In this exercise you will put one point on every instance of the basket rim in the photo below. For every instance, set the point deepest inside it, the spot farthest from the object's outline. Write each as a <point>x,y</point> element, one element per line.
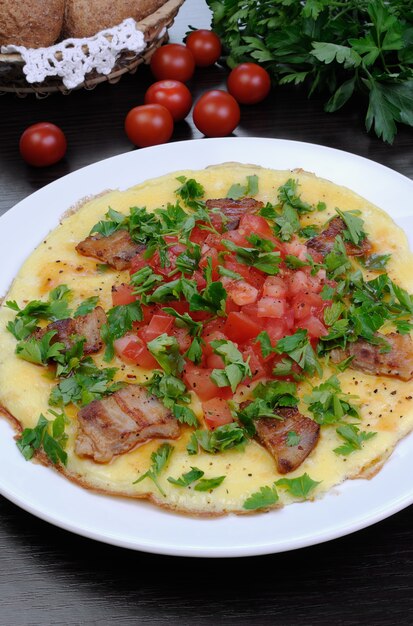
<point>150,26</point>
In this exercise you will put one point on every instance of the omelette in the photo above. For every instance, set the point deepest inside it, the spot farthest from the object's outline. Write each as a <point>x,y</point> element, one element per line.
<point>228,340</point>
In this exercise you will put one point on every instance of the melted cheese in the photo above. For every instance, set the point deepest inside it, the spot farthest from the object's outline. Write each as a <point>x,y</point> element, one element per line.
<point>386,404</point>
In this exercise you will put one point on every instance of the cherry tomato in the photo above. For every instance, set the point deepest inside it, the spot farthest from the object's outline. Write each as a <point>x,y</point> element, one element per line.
<point>249,83</point>
<point>148,125</point>
<point>205,46</point>
<point>42,144</point>
<point>173,61</point>
<point>173,95</point>
<point>216,114</point>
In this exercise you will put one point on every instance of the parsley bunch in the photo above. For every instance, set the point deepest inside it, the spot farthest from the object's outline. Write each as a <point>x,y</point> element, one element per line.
<point>338,48</point>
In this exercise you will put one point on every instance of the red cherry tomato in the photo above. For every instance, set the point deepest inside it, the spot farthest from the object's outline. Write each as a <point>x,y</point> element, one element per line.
<point>42,144</point>
<point>173,61</point>
<point>148,125</point>
<point>173,95</point>
<point>249,83</point>
<point>205,46</point>
<point>216,114</point>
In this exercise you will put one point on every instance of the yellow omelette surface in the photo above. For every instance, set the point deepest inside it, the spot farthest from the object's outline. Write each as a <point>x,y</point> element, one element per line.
<point>386,404</point>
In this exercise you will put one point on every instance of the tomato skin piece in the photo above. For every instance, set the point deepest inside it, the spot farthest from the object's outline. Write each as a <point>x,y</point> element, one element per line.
<point>137,263</point>
<point>198,235</point>
<point>42,144</point>
<point>205,45</point>
<point>173,95</point>
<point>149,125</point>
<point>240,328</point>
<point>216,413</point>
<point>249,83</point>
<point>131,349</point>
<point>122,294</point>
<point>216,113</point>
<point>198,379</point>
<point>314,326</point>
<point>256,224</point>
<point>173,61</point>
<point>183,338</point>
<point>160,323</point>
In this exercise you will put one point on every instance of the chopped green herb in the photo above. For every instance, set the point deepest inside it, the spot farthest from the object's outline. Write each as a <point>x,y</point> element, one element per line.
<point>292,439</point>
<point>353,437</point>
<point>87,306</point>
<point>49,435</point>
<point>374,261</point>
<point>208,484</point>
<point>40,351</point>
<point>188,478</point>
<point>299,487</point>
<point>221,439</point>
<point>160,459</point>
<point>119,321</point>
<point>265,497</point>
<point>235,370</point>
<point>165,349</point>
<point>237,191</point>
<point>329,404</point>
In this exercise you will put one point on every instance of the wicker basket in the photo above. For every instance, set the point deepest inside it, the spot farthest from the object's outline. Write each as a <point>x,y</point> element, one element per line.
<point>154,27</point>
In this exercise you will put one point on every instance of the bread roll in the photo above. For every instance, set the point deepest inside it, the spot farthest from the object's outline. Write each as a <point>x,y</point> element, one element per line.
<point>84,18</point>
<point>32,23</point>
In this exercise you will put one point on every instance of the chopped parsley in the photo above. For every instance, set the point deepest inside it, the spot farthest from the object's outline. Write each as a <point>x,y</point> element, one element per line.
<point>119,321</point>
<point>299,487</point>
<point>354,439</point>
<point>237,191</point>
<point>329,404</point>
<point>265,497</point>
<point>160,459</point>
<point>235,370</point>
<point>222,438</point>
<point>48,435</point>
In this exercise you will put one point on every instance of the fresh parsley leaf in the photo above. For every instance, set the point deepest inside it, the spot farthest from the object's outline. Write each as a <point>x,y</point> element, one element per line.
<point>40,351</point>
<point>209,484</point>
<point>265,497</point>
<point>160,459</point>
<point>144,280</point>
<point>329,404</point>
<point>235,370</point>
<point>88,383</point>
<point>299,349</point>
<point>212,299</point>
<point>188,478</point>
<point>190,192</point>
<point>292,439</point>
<point>374,261</point>
<point>237,191</point>
<point>222,438</point>
<point>87,306</point>
<point>299,487</point>
<point>353,437</point>
<point>354,232</point>
<point>165,349</point>
<point>185,415</point>
<point>49,435</point>
<point>267,262</point>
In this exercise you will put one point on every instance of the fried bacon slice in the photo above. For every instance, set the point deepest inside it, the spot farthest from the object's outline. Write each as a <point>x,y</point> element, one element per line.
<point>119,422</point>
<point>70,329</point>
<point>116,250</point>
<point>324,242</point>
<point>272,434</point>
<point>234,209</point>
<point>397,363</point>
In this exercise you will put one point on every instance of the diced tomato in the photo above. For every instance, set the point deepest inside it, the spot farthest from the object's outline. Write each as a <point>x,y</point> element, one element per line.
<point>297,249</point>
<point>275,287</point>
<point>131,349</point>
<point>210,255</point>
<point>314,326</point>
<point>214,241</point>
<point>213,326</point>
<point>137,263</point>
<point>242,292</point>
<point>236,237</point>
<point>215,362</point>
<point>122,294</point>
<point>253,276</point>
<point>183,338</point>
<point>207,338</point>
<point>271,307</point>
<point>231,306</point>
<point>306,304</point>
<point>255,224</point>
<point>200,279</point>
<point>276,329</point>
<point>180,306</point>
<point>300,282</point>
<point>240,328</point>
<point>198,235</point>
<point>216,413</point>
<point>198,379</point>
<point>159,324</point>
<point>258,368</point>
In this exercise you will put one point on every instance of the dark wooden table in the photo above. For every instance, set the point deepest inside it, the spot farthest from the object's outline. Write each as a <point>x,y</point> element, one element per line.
<point>49,576</point>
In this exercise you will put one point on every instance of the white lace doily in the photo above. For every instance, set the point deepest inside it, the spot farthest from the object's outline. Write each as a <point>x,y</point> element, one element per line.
<point>72,59</point>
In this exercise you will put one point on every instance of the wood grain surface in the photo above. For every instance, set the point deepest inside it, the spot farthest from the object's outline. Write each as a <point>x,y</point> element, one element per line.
<point>49,576</point>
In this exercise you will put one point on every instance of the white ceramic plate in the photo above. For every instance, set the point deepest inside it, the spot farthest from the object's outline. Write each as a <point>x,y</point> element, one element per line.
<point>139,525</point>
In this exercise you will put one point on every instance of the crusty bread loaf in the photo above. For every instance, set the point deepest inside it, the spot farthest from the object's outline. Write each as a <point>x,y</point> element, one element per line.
<point>32,23</point>
<point>84,18</point>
